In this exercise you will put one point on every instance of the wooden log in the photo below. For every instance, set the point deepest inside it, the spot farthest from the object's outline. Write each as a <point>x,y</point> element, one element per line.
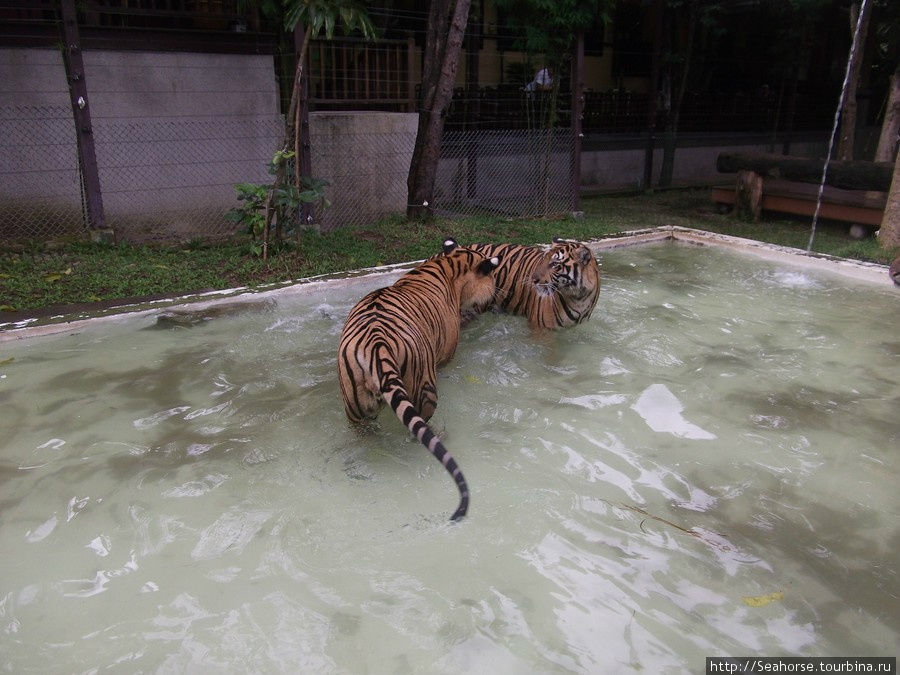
<point>849,175</point>
<point>748,195</point>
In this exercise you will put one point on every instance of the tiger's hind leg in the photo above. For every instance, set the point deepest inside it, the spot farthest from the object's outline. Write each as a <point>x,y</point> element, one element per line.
<point>361,402</point>
<point>427,401</point>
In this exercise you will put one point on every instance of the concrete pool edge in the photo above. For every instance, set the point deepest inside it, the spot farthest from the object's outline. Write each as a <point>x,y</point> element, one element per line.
<point>55,324</point>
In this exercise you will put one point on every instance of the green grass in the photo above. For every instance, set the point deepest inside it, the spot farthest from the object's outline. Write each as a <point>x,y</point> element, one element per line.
<point>38,279</point>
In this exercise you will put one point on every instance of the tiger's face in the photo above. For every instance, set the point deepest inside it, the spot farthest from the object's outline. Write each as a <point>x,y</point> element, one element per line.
<point>568,269</point>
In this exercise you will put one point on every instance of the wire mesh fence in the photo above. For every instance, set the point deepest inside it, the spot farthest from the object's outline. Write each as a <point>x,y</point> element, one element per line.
<point>166,179</point>
<point>40,187</point>
<point>517,173</point>
<point>172,179</point>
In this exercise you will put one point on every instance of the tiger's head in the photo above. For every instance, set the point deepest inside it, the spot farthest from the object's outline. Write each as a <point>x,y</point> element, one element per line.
<point>569,269</point>
<point>472,274</point>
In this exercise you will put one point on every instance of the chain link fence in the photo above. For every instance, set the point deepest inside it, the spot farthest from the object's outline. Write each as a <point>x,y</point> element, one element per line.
<point>514,173</point>
<point>172,179</point>
<point>517,173</point>
<point>40,184</point>
<point>167,179</point>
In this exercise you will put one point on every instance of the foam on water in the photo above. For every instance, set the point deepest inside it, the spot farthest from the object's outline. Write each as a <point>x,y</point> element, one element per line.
<point>722,430</point>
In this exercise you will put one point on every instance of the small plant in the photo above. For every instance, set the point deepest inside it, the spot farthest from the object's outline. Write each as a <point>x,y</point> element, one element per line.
<point>250,213</point>
<point>287,200</point>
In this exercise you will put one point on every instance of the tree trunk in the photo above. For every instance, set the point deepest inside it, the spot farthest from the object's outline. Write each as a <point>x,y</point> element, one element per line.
<point>658,12</point>
<point>890,127</point>
<point>289,122</point>
<point>889,234</point>
<point>446,26</point>
<point>859,27</point>
<point>748,196</point>
<point>855,175</point>
<point>671,138</point>
<point>791,112</point>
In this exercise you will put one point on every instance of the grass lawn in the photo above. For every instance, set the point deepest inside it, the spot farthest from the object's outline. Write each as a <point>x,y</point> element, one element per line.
<point>43,278</point>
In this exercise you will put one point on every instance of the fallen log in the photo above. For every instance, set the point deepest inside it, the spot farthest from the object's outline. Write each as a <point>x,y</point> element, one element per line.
<point>848,175</point>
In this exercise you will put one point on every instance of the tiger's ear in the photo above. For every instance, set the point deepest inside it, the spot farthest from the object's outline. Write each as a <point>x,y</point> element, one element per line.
<point>584,255</point>
<point>488,265</point>
<point>557,240</point>
<point>449,245</point>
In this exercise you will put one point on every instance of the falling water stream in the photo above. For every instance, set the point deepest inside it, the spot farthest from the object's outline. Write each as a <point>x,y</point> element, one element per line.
<point>852,56</point>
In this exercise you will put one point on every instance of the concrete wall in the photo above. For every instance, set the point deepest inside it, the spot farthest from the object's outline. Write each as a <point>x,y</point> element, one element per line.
<point>173,133</point>
<point>365,156</point>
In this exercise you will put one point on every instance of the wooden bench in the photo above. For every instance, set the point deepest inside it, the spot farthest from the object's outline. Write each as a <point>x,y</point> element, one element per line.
<point>855,191</point>
<point>852,206</point>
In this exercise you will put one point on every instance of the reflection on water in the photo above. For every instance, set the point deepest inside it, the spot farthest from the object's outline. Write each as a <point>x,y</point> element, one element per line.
<point>706,468</point>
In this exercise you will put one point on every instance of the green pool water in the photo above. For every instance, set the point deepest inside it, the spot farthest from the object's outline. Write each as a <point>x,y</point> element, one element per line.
<point>708,467</point>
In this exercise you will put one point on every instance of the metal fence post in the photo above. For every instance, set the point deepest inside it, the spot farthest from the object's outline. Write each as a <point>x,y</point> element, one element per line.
<point>87,157</point>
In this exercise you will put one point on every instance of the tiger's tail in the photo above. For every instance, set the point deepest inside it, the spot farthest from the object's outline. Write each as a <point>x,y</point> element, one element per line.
<point>396,396</point>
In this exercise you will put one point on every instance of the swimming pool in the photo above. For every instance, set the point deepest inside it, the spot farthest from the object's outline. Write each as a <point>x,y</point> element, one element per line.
<point>707,467</point>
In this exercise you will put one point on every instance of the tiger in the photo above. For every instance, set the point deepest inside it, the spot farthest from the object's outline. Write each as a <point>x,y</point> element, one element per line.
<point>395,337</point>
<point>553,288</point>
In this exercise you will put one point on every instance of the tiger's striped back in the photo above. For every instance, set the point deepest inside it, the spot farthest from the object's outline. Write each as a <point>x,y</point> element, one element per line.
<point>553,288</point>
<point>395,338</point>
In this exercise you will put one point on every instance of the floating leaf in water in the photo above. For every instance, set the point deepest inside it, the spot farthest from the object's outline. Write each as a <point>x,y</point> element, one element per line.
<point>7,308</point>
<point>6,361</point>
<point>471,379</point>
<point>762,600</point>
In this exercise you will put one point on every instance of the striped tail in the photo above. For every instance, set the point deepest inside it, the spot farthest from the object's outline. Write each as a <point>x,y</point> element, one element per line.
<point>395,394</point>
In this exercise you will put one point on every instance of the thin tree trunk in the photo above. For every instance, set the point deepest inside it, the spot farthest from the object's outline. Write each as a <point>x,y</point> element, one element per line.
<point>890,127</point>
<point>671,140</point>
<point>791,111</point>
<point>889,234</point>
<point>286,146</point>
<point>446,26</point>
<point>297,171</point>
<point>658,12</point>
<point>859,27</point>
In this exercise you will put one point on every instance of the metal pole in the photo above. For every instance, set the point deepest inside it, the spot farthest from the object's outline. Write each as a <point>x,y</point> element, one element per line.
<point>577,117</point>
<point>81,112</point>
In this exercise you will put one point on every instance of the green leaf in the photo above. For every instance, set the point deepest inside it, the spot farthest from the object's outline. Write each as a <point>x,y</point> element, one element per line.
<point>50,278</point>
<point>7,308</point>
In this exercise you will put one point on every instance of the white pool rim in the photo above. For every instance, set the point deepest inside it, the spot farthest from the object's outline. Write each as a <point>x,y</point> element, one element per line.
<point>49,325</point>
